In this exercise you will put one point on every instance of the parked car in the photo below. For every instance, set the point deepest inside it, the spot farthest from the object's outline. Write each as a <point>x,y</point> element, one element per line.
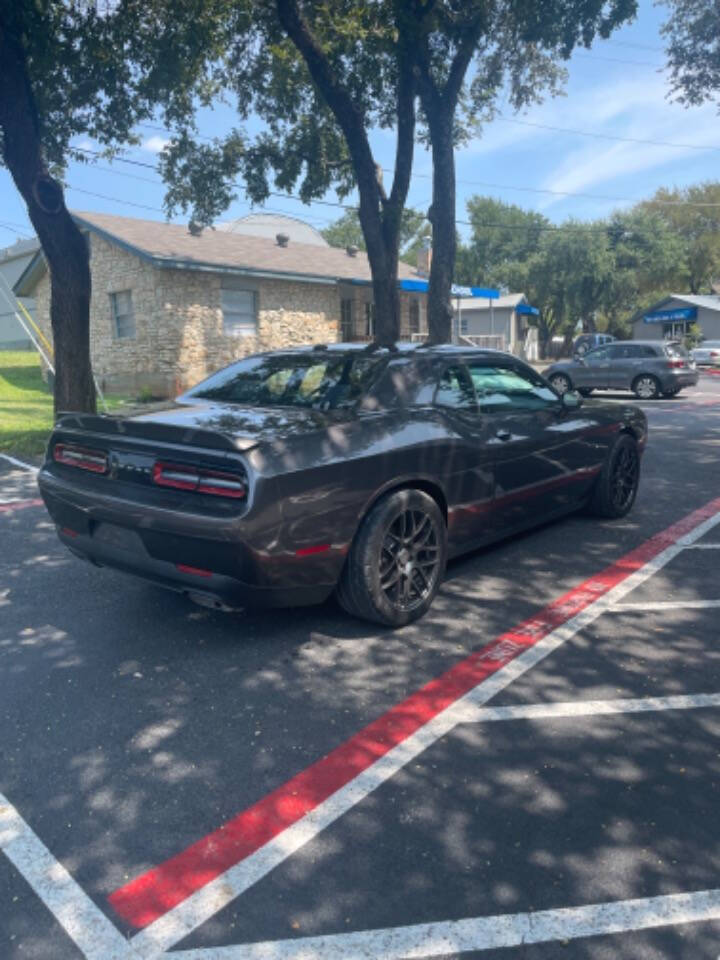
<point>707,354</point>
<point>588,341</point>
<point>288,476</point>
<point>650,369</point>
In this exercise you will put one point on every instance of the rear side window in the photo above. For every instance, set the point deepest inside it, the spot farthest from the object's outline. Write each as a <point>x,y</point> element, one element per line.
<point>455,389</point>
<point>648,351</point>
<point>675,350</point>
<point>508,388</point>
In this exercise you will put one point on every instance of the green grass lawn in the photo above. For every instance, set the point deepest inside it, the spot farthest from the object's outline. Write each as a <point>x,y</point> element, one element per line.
<point>26,406</point>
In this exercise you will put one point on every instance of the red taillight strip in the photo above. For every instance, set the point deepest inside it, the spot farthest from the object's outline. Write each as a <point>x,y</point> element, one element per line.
<point>81,457</point>
<point>198,480</point>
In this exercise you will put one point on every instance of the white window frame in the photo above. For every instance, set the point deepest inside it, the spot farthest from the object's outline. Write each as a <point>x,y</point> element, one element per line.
<point>245,321</point>
<point>124,327</point>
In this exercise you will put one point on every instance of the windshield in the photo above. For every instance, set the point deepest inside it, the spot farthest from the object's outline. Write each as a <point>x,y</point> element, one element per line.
<point>321,381</point>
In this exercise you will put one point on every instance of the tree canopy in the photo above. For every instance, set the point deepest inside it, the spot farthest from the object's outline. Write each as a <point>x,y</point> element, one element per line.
<point>693,49</point>
<point>596,274</point>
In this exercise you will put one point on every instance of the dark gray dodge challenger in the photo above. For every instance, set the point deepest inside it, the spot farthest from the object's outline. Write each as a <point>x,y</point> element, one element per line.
<point>290,475</point>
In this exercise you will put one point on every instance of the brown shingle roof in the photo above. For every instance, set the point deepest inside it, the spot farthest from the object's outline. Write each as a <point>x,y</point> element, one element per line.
<point>171,244</point>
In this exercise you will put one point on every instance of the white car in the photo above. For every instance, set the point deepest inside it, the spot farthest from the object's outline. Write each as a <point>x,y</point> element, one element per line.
<point>707,354</point>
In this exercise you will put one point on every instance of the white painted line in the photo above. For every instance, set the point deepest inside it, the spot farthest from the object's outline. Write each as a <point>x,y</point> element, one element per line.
<point>86,924</point>
<point>481,933</point>
<point>19,463</point>
<point>665,605</point>
<point>200,906</point>
<point>705,546</point>
<point>595,708</point>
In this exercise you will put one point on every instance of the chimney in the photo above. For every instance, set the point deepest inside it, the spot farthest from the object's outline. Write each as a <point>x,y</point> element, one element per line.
<point>195,228</point>
<point>424,256</point>
<point>351,250</point>
<point>282,239</point>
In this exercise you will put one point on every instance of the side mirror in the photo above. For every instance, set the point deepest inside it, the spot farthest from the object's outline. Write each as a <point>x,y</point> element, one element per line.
<point>571,400</point>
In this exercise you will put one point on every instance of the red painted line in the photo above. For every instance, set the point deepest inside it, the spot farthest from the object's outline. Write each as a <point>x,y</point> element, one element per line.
<point>151,895</point>
<point>19,505</point>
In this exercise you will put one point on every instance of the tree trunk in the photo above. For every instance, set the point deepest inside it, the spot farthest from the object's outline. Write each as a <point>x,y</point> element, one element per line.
<point>442,218</point>
<point>380,215</point>
<point>62,243</point>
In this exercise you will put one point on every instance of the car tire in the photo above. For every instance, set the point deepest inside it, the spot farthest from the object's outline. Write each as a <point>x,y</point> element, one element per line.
<point>646,387</point>
<point>397,560</point>
<point>560,383</point>
<point>585,391</point>
<point>617,485</point>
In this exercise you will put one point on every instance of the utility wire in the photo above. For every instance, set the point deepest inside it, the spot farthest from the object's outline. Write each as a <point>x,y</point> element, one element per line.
<point>608,136</point>
<point>467,183</point>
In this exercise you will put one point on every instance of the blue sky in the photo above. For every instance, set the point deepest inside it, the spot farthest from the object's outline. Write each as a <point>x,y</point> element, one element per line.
<point>617,89</point>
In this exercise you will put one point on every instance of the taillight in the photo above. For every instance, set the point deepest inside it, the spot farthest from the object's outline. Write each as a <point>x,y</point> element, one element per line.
<point>674,364</point>
<point>199,480</point>
<point>84,458</point>
<point>715,353</point>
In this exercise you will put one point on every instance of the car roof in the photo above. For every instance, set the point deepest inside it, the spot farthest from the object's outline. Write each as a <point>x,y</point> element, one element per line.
<point>421,349</point>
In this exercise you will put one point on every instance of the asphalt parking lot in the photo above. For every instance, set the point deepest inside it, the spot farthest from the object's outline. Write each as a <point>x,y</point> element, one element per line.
<point>530,772</point>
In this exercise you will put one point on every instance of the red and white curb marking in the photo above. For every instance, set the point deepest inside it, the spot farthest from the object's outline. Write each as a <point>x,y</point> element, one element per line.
<point>177,897</point>
<point>13,504</point>
<point>10,506</point>
<point>180,895</point>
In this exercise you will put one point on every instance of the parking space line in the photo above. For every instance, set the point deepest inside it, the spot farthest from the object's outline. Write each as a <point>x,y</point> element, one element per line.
<point>594,708</point>
<point>180,895</point>
<point>481,933</point>
<point>704,546</point>
<point>664,605</point>
<point>96,937</point>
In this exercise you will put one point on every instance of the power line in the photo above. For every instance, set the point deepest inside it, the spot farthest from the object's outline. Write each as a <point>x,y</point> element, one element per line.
<point>608,136</point>
<point>634,63</point>
<point>472,183</point>
<point>104,196</point>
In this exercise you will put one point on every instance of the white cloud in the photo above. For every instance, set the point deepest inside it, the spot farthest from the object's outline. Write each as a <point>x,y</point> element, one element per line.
<point>155,144</point>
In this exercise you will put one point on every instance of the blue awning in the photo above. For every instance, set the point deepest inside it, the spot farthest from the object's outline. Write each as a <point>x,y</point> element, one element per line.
<point>421,286</point>
<point>526,310</point>
<point>663,316</point>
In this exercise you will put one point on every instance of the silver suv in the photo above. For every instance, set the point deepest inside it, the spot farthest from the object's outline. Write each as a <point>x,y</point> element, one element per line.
<point>649,368</point>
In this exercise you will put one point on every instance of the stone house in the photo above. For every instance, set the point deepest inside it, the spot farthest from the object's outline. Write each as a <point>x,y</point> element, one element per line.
<point>171,304</point>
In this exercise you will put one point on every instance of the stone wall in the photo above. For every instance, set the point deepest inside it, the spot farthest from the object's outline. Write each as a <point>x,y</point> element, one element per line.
<point>179,336</point>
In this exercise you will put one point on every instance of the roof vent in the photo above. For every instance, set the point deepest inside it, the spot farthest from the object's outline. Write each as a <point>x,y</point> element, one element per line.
<point>351,250</point>
<point>195,228</point>
<point>282,239</point>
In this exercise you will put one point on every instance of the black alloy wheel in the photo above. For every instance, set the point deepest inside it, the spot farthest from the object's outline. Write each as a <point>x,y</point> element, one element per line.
<point>560,383</point>
<point>397,560</point>
<point>409,559</point>
<point>617,485</point>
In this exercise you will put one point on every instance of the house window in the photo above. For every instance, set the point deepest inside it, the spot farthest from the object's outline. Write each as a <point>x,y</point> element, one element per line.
<point>346,319</point>
<point>369,319</point>
<point>123,315</point>
<point>463,323</point>
<point>239,310</point>
<point>414,317</point>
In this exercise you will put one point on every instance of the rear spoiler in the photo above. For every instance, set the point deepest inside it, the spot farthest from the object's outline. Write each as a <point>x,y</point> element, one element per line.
<point>158,432</point>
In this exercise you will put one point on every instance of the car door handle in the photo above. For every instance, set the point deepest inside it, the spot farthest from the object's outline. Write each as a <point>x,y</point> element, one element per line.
<point>503,434</point>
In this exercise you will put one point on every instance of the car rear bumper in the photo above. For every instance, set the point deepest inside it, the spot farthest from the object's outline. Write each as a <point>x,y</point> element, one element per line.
<point>207,560</point>
<point>683,378</point>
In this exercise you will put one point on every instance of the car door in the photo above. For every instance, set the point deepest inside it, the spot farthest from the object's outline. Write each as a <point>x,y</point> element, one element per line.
<point>468,473</point>
<point>537,446</point>
<point>624,363</point>
<point>596,372</point>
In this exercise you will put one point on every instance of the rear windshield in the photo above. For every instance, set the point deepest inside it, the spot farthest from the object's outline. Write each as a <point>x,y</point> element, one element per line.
<point>321,381</point>
<point>675,350</point>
